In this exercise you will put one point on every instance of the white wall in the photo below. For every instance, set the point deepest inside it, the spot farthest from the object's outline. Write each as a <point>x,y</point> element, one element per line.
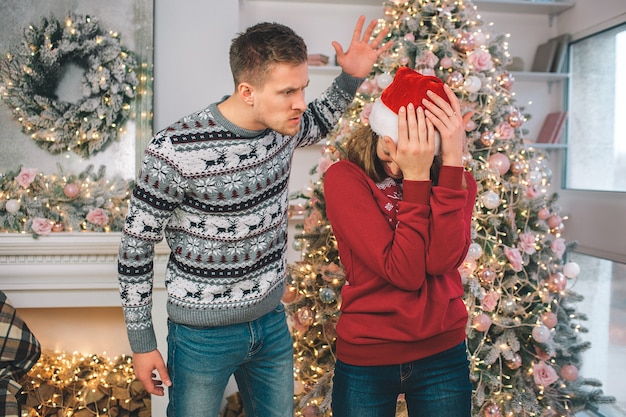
<point>191,42</point>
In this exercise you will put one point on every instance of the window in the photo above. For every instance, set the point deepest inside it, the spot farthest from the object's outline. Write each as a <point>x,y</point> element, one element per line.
<point>596,154</point>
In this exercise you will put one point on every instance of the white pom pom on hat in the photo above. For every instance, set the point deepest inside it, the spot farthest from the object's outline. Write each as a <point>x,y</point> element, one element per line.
<point>408,86</point>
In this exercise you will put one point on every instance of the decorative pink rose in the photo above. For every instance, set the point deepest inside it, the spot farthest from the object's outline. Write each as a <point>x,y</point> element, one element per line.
<point>558,247</point>
<point>330,272</point>
<point>532,192</point>
<point>490,300</point>
<point>429,59</point>
<point>480,60</point>
<point>323,164</point>
<point>365,113</point>
<point>26,176</point>
<point>312,220</point>
<point>425,70</point>
<point>467,268</point>
<point>514,257</point>
<point>541,354</point>
<point>98,217</point>
<point>527,243</point>
<point>544,374</point>
<point>41,226</point>
<point>505,131</point>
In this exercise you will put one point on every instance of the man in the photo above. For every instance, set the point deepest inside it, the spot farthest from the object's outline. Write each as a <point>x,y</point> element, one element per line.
<point>215,183</point>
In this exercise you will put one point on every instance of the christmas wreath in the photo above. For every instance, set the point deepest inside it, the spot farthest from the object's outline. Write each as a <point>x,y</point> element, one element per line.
<point>30,75</point>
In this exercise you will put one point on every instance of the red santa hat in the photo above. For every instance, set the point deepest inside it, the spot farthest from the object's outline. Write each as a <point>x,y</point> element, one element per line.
<point>408,86</point>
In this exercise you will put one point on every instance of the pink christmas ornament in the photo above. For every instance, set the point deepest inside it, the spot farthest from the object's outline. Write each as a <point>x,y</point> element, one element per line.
<point>541,333</point>
<point>554,221</point>
<point>71,190</point>
<point>492,410</point>
<point>515,118</point>
<point>549,319</point>
<point>506,80</point>
<point>455,79</point>
<point>481,322</point>
<point>290,294</point>
<point>499,161</point>
<point>517,167</point>
<point>543,213</point>
<point>474,251</point>
<point>487,138</point>
<point>569,372</point>
<point>467,158</point>
<point>58,227</point>
<point>490,199</point>
<point>557,282</point>
<point>488,275</point>
<point>464,42</point>
<point>514,363</point>
<point>310,411</point>
<point>305,316</point>
<point>470,125</point>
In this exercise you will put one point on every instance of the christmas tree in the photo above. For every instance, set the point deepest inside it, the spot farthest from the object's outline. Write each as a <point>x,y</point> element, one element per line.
<point>524,332</point>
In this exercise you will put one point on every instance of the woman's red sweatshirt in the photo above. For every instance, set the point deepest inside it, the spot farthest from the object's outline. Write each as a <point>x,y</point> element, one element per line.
<point>400,246</point>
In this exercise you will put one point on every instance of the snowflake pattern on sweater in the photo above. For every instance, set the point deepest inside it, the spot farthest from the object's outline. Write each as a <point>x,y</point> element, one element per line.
<point>219,195</point>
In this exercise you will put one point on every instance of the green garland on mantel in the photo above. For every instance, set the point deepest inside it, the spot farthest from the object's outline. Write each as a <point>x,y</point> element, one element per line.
<point>30,74</point>
<point>38,204</point>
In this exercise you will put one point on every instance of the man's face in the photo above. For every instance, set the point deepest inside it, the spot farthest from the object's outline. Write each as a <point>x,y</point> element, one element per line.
<point>279,103</point>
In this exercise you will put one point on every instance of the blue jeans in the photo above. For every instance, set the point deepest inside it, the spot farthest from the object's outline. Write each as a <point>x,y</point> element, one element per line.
<point>202,359</point>
<point>437,386</point>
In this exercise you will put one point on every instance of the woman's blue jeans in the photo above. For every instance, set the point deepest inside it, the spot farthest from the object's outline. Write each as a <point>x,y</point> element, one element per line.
<point>437,386</point>
<point>259,353</point>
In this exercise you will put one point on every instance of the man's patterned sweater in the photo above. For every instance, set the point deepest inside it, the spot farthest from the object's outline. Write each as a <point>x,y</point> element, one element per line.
<point>219,195</point>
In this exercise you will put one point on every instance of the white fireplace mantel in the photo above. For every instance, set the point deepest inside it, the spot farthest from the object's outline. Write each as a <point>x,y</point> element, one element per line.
<point>65,269</point>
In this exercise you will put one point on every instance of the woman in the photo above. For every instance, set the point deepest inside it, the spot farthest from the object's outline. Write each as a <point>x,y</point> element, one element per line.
<point>402,224</point>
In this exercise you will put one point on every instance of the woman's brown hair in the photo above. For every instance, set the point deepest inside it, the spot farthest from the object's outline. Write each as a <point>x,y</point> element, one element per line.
<point>360,149</point>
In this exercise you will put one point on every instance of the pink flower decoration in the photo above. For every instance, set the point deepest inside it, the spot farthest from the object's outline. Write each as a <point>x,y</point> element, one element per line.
<point>425,70</point>
<point>323,164</point>
<point>514,257</point>
<point>26,176</point>
<point>330,272</point>
<point>368,87</point>
<point>527,243</point>
<point>505,131</point>
<point>41,226</point>
<point>429,59</point>
<point>480,60</point>
<point>544,374</point>
<point>98,217</point>
<point>365,113</point>
<point>558,247</point>
<point>490,300</point>
<point>532,192</point>
<point>312,221</point>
